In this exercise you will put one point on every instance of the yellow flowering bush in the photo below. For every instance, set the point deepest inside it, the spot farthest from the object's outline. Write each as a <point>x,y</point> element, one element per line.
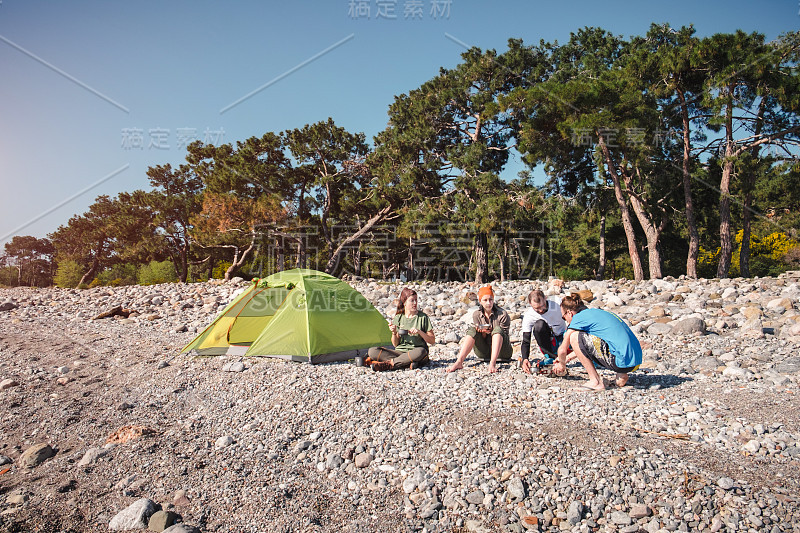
<point>766,255</point>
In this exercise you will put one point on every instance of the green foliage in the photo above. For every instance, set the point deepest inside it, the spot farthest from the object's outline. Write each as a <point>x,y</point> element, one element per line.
<point>431,187</point>
<point>220,269</point>
<point>32,258</point>
<point>112,231</point>
<point>8,276</point>
<point>68,274</point>
<point>121,274</point>
<point>707,262</point>
<point>175,201</point>
<point>197,273</point>
<point>768,255</point>
<point>764,265</point>
<point>570,274</point>
<point>157,272</point>
<point>775,245</point>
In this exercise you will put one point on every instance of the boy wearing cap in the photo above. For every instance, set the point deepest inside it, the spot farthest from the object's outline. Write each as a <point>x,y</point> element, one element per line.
<point>489,334</point>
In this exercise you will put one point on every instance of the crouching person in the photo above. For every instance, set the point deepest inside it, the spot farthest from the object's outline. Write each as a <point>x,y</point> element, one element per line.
<point>543,325</point>
<point>411,333</point>
<point>489,334</point>
<point>597,337</point>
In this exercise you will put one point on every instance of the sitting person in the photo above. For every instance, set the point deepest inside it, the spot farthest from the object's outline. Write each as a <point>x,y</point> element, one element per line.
<point>597,337</point>
<point>411,333</point>
<point>488,335</point>
<point>542,321</point>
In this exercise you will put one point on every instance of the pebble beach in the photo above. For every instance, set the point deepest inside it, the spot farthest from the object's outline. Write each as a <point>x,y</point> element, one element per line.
<point>106,426</point>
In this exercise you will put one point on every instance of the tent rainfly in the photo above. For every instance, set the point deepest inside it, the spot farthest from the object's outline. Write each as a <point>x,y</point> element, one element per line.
<point>299,315</point>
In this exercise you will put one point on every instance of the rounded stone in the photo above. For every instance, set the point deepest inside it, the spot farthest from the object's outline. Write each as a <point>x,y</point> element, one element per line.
<point>725,483</point>
<point>36,455</point>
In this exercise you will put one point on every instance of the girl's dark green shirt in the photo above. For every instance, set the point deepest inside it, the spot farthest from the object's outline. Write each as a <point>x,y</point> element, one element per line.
<point>408,342</point>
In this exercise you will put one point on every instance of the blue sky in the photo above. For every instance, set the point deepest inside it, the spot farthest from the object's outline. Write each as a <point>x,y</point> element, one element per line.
<point>92,93</point>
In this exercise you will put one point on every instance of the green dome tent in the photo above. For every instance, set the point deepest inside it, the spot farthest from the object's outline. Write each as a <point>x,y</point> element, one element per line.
<point>300,315</point>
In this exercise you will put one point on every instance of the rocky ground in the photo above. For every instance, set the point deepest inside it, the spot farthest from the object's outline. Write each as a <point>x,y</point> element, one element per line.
<point>103,415</point>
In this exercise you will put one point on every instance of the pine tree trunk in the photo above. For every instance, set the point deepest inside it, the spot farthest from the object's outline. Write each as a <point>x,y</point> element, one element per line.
<point>504,259</point>
<point>725,241</point>
<point>748,183</point>
<point>481,258</point>
<point>238,260</point>
<point>627,223</point>
<point>651,231</point>
<point>601,266</point>
<point>368,225</point>
<point>691,223</point>
<point>357,253</point>
<point>301,253</point>
<point>653,252</point>
<point>183,273</point>
<point>280,261</point>
<point>89,275</point>
<point>410,263</point>
<point>517,258</point>
<point>744,253</point>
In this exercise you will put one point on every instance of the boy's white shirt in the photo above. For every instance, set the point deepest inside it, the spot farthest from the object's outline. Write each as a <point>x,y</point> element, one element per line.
<point>552,316</point>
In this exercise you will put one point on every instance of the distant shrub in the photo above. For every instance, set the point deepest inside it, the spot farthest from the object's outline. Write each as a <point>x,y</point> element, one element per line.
<point>220,269</point>
<point>121,274</point>
<point>707,263</point>
<point>95,283</point>
<point>197,273</point>
<point>68,274</point>
<point>571,274</point>
<point>764,265</point>
<point>767,256</point>
<point>8,276</point>
<point>157,272</point>
<point>792,257</point>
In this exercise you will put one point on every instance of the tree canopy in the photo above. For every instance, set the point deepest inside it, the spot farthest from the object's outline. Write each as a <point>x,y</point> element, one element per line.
<point>663,154</point>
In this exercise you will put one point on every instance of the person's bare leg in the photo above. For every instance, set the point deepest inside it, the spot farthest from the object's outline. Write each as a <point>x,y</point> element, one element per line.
<point>622,379</point>
<point>466,347</point>
<point>497,344</point>
<point>595,381</point>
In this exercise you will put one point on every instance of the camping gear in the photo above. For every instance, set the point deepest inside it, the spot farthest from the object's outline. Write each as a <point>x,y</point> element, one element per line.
<point>299,315</point>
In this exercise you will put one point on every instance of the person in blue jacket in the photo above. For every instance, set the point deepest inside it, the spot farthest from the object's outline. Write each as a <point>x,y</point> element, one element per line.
<point>600,338</point>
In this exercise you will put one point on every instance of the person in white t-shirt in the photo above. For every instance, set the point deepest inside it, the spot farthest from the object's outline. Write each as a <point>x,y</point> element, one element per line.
<point>543,322</point>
